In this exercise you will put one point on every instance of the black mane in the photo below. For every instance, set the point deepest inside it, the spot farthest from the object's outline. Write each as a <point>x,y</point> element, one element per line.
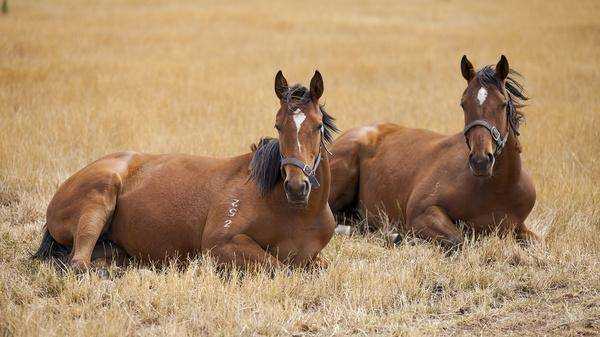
<point>515,92</point>
<point>265,164</point>
<point>266,160</point>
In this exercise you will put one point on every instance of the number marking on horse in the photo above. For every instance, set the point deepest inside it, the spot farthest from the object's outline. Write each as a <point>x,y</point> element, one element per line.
<point>231,212</point>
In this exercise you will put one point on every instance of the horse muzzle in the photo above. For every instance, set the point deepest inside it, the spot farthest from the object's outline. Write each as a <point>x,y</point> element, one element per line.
<point>297,191</point>
<point>482,165</point>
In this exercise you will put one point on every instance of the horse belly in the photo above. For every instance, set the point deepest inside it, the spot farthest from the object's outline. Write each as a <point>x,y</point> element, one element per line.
<point>384,190</point>
<point>160,219</point>
<point>154,242</point>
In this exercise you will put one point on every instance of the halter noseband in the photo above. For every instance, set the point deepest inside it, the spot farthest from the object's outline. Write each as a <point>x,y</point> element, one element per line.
<point>499,141</point>
<point>310,172</point>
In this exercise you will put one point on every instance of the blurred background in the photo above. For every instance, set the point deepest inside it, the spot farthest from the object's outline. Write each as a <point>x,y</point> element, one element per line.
<point>81,79</point>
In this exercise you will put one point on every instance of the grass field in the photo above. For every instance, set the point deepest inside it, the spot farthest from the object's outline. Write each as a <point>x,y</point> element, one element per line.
<point>80,79</point>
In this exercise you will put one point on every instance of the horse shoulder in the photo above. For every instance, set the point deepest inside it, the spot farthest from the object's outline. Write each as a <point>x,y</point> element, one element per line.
<point>440,176</point>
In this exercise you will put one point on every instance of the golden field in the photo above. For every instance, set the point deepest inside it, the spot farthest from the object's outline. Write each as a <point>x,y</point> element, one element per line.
<point>80,79</point>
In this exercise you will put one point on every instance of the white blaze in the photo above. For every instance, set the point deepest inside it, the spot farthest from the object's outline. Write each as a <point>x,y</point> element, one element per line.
<point>299,118</point>
<point>481,95</point>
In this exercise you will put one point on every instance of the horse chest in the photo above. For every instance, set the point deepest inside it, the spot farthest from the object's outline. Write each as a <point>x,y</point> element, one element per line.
<point>301,241</point>
<point>484,210</point>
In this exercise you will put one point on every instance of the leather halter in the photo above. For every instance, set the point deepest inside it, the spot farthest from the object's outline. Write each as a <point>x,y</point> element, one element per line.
<point>499,141</point>
<point>310,172</point>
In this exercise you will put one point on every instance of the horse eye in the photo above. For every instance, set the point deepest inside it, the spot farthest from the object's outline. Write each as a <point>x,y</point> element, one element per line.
<point>319,127</point>
<point>277,127</point>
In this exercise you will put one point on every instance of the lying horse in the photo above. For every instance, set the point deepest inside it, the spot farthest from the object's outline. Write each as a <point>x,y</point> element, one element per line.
<point>267,208</point>
<point>427,182</point>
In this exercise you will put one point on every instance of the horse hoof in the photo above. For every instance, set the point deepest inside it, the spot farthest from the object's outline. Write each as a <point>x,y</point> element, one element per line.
<point>78,266</point>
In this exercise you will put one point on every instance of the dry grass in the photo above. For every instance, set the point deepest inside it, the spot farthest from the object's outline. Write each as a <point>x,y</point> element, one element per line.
<point>82,79</point>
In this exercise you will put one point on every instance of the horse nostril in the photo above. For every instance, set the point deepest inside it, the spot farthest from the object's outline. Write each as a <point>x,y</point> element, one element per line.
<point>481,162</point>
<point>286,186</point>
<point>306,187</point>
<point>472,160</point>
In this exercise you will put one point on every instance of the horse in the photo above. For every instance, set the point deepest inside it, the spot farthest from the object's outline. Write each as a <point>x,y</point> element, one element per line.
<point>436,185</point>
<point>263,209</point>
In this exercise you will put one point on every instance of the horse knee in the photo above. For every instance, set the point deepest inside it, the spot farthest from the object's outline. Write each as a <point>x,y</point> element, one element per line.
<point>434,224</point>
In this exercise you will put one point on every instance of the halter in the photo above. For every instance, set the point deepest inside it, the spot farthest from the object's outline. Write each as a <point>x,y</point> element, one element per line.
<point>499,141</point>
<point>310,172</point>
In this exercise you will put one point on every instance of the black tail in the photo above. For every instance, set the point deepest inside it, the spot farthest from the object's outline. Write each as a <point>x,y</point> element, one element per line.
<point>49,248</point>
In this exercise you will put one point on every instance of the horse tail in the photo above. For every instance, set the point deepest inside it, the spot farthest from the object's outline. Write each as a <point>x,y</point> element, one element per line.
<point>50,248</point>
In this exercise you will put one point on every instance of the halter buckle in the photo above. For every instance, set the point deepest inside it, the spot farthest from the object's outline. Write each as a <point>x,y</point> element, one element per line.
<point>495,134</point>
<point>307,170</point>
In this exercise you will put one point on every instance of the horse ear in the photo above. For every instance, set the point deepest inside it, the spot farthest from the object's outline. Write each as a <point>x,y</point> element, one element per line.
<point>281,85</point>
<point>502,68</point>
<point>316,85</point>
<point>466,68</point>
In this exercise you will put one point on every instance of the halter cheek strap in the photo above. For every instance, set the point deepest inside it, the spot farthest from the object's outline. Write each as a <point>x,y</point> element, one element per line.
<point>499,141</point>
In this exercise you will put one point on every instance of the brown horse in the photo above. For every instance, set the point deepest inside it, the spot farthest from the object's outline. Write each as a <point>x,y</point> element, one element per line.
<point>267,208</point>
<point>427,182</point>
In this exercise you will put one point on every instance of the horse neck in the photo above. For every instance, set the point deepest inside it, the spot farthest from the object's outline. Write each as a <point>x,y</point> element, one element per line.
<point>321,195</point>
<point>508,164</point>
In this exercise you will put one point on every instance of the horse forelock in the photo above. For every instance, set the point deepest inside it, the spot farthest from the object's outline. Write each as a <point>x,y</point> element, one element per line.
<point>298,95</point>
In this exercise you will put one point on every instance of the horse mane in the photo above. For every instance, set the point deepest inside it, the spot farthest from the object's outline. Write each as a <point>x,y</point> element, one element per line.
<point>515,92</point>
<point>265,166</point>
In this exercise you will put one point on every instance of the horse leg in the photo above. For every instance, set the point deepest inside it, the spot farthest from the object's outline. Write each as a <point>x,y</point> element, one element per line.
<point>99,205</point>
<point>105,253</point>
<point>92,222</point>
<point>243,252</point>
<point>524,236</point>
<point>318,263</point>
<point>435,224</point>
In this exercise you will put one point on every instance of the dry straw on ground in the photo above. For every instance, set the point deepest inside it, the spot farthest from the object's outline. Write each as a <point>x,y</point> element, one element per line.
<point>79,79</point>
